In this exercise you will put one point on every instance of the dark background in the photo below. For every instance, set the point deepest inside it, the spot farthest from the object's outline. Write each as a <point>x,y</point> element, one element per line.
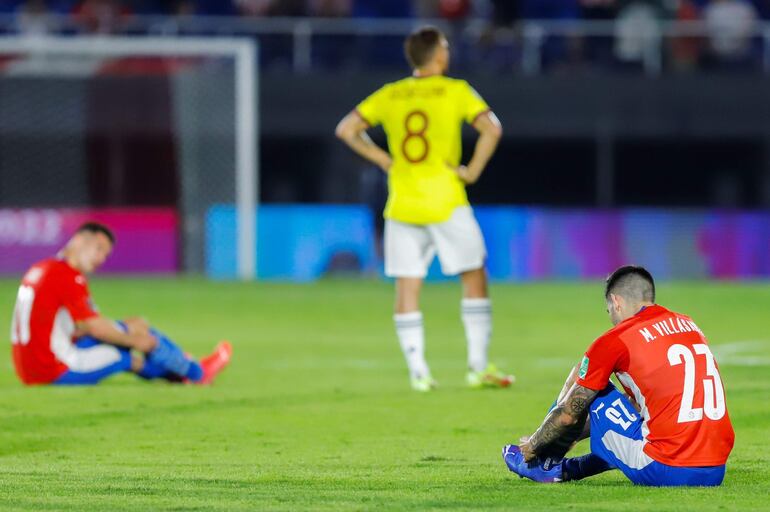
<point>586,140</point>
<point>686,141</point>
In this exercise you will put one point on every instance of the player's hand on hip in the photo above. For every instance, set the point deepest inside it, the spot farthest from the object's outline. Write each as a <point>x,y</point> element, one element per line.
<point>463,173</point>
<point>386,164</point>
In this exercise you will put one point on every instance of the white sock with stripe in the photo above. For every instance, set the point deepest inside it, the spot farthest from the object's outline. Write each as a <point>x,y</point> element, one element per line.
<point>411,336</point>
<point>477,319</point>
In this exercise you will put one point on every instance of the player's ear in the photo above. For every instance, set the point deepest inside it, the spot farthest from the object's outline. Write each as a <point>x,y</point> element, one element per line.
<point>616,302</point>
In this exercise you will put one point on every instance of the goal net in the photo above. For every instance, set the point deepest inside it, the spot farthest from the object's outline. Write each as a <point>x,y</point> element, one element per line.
<point>148,133</point>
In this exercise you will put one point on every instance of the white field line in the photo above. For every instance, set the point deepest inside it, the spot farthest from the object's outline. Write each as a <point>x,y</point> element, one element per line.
<point>743,353</point>
<point>737,353</point>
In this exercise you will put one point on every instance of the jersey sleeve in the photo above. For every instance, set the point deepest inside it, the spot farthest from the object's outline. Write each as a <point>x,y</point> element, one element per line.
<point>603,357</point>
<point>372,108</point>
<point>473,104</point>
<point>77,298</point>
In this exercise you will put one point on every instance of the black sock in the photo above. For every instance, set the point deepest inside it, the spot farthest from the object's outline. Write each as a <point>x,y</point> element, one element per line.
<point>578,468</point>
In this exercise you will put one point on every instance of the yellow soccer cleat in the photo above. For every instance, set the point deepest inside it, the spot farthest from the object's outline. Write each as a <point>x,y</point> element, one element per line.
<point>424,384</point>
<point>489,378</point>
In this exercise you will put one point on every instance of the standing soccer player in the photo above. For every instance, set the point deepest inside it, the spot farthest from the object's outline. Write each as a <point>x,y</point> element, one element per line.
<point>427,210</point>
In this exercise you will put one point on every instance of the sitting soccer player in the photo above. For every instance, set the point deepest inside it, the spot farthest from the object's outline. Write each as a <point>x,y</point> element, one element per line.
<point>673,429</point>
<point>59,338</point>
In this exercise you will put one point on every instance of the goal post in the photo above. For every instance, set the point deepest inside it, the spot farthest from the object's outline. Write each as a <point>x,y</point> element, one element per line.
<point>245,123</point>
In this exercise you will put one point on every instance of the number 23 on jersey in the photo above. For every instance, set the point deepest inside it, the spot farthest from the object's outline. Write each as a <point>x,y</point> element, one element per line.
<point>713,392</point>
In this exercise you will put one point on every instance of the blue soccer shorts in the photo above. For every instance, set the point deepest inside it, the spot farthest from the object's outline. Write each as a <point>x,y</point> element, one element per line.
<point>616,437</point>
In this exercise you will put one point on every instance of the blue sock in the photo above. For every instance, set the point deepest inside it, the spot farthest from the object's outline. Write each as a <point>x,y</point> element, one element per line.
<point>578,468</point>
<point>152,370</point>
<point>170,357</point>
<point>163,337</point>
<point>195,373</point>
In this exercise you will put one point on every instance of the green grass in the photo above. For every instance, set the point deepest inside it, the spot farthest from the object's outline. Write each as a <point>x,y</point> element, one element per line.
<point>315,412</point>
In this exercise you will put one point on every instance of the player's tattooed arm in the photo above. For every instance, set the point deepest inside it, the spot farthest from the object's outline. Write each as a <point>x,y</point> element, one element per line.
<point>568,384</point>
<point>565,415</point>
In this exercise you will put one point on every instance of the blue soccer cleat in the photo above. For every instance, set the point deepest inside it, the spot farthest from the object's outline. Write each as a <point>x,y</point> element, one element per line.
<point>544,472</point>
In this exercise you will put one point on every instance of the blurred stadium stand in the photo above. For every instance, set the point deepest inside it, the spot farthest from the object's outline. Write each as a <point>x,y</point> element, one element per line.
<point>526,36</point>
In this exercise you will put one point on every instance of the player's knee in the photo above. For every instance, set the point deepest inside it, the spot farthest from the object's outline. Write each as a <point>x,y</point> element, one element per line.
<point>137,324</point>
<point>142,341</point>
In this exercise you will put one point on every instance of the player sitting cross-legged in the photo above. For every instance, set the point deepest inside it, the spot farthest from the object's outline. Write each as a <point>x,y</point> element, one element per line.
<point>59,337</point>
<point>428,211</point>
<point>671,430</point>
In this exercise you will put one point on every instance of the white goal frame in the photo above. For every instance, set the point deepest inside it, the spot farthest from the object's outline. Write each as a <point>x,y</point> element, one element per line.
<point>244,53</point>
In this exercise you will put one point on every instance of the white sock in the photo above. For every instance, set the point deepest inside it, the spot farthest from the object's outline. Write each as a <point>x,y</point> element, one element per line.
<point>411,336</point>
<point>477,319</point>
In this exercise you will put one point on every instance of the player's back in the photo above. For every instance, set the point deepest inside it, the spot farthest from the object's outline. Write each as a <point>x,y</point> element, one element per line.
<point>673,376</point>
<point>41,318</point>
<point>422,118</point>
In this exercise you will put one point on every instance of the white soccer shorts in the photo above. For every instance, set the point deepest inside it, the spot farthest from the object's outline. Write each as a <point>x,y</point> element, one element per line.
<point>410,248</point>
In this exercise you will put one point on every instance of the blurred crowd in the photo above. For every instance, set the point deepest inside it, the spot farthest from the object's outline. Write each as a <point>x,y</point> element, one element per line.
<point>730,24</point>
<point>502,12</point>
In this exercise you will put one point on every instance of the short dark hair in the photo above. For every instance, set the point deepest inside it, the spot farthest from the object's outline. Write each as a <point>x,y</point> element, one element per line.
<point>631,282</point>
<point>420,45</point>
<point>97,227</point>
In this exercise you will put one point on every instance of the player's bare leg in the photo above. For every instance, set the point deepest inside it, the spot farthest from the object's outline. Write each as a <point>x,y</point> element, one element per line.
<point>475,284</point>
<point>477,319</point>
<point>408,295</point>
<point>137,363</point>
<point>411,333</point>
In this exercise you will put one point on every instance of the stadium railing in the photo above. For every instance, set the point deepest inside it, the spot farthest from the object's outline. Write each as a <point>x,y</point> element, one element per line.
<point>529,47</point>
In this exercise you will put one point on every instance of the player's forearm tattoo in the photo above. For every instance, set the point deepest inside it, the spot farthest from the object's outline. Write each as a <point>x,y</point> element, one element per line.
<point>567,384</point>
<point>563,417</point>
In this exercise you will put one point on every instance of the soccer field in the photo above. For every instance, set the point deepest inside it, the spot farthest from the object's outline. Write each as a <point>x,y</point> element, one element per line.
<point>315,411</point>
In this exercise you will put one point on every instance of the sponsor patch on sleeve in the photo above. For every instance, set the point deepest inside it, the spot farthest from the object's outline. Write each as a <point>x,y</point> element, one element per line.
<point>583,368</point>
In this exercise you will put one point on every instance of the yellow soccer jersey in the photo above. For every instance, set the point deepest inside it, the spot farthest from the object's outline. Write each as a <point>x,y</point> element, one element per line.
<point>423,118</point>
